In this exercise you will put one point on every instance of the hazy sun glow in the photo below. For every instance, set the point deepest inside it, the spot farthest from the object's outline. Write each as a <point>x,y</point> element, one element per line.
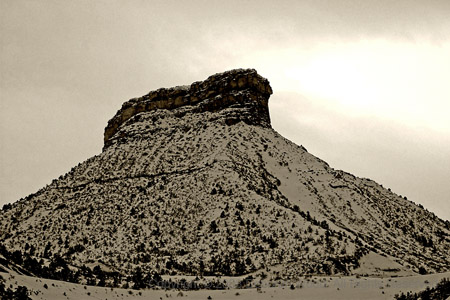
<point>404,81</point>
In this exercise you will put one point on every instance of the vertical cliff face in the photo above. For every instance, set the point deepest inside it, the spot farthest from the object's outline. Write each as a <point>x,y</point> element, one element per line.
<point>244,90</point>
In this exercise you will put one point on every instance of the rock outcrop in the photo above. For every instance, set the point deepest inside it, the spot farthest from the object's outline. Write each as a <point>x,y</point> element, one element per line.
<point>240,88</point>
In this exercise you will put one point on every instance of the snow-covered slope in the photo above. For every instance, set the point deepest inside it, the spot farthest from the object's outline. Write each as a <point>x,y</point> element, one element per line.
<point>206,186</point>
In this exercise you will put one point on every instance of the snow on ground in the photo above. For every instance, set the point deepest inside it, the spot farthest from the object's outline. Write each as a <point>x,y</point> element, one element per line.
<point>376,265</point>
<point>306,288</point>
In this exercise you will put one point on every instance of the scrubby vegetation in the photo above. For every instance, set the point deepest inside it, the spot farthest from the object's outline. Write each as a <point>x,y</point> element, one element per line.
<point>440,292</point>
<point>58,269</point>
<point>179,192</point>
<point>7,293</point>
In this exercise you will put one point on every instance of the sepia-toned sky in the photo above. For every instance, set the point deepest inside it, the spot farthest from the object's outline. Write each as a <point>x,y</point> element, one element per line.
<point>364,85</point>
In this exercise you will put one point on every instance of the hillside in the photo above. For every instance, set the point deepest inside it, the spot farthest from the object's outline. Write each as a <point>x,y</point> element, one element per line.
<point>193,180</point>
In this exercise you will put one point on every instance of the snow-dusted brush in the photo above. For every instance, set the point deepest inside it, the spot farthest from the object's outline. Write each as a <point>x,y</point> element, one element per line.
<point>193,181</point>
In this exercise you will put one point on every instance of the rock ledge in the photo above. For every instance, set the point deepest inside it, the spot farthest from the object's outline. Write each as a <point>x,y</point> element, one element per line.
<point>236,88</point>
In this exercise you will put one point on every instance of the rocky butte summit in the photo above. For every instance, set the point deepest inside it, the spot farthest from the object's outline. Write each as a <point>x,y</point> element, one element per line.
<point>242,95</point>
<point>193,180</point>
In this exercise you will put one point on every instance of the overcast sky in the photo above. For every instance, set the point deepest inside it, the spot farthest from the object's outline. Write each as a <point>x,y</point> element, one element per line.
<point>364,85</point>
